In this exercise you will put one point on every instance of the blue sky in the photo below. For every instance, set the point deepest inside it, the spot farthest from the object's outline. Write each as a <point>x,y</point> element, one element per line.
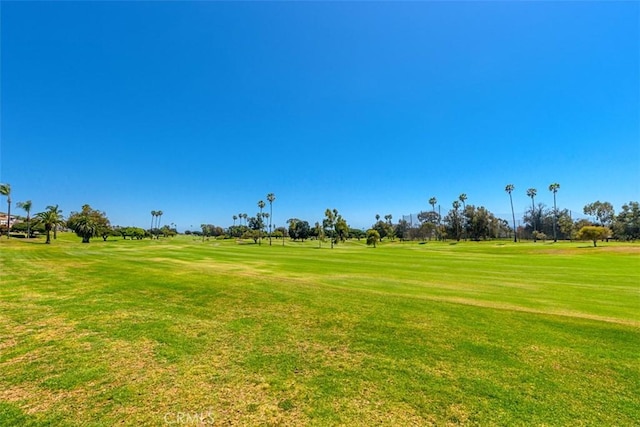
<point>200,109</point>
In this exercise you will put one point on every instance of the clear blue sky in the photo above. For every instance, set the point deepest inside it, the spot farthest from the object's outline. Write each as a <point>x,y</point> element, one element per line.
<point>200,109</point>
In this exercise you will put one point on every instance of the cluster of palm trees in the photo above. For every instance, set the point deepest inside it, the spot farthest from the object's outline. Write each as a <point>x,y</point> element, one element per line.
<point>156,216</point>
<point>261,216</point>
<point>51,219</point>
<point>532,192</point>
<point>462,198</point>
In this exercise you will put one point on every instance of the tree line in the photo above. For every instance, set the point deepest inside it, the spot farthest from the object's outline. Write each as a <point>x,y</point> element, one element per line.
<point>461,221</point>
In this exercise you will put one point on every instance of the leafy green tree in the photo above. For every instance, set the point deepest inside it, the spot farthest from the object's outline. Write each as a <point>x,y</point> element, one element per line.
<point>88,223</point>
<point>50,219</point>
<point>299,229</point>
<point>5,190</point>
<point>554,189</point>
<point>482,224</point>
<point>433,218</point>
<point>426,230</point>
<point>627,223</point>
<point>402,230</point>
<point>534,220</point>
<point>26,206</point>
<point>132,232</point>
<point>383,228</point>
<point>356,233</point>
<point>457,220</point>
<point>603,211</point>
<point>256,223</point>
<point>335,226</point>
<point>319,233</point>
<point>168,231</point>
<point>252,234</point>
<point>593,233</point>
<point>372,237</point>
<point>565,224</point>
<point>509,189</point>
<point>342,228</point>
<point>27,229</point>
<point>329,223</point>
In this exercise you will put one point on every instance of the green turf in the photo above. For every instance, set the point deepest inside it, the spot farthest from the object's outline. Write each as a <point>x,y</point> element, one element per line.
<point>183,331</point>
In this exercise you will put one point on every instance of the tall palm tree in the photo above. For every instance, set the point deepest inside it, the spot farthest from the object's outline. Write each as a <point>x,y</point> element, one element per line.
<point>26,206</point>
<point>235,217</point>
<point>531,192</point>
<point>56,212</point>
<point>377,217</point>
<point>50,218</point>
<point>456,213</point>
<point>432,202</point>
<point>244,215</point>
<point>159,214</point>
<point>270,198</point>
<point>153,217</point>
<point>261,205</point>
<point>463,198</point>
<point>509,189</point>
<point>554,189</point>
<point>5,190</point>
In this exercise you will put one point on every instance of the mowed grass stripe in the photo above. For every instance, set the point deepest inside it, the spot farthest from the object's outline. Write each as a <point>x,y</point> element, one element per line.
<point>297,335</point>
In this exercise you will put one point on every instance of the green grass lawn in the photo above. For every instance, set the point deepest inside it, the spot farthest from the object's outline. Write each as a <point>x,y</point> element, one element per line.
<point>185,332</point>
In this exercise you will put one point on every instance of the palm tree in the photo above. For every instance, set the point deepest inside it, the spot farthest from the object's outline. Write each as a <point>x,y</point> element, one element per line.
<point>270,198</point>
<point>235,217</point>
<point>456,224</point>
<point>26,206</point>
<point>509,189</point>
<point>153,217</point>
<point>50,218</point>
<point>554,188</point>
<point>159,214</point>
<point>432,202</point>
<point>58,213</point>
<point>531,192</point>
<point>261,205</point>
<point>463,198</point>
<point>85,227</point>
<point>5,190</point>
<point>244,215</point>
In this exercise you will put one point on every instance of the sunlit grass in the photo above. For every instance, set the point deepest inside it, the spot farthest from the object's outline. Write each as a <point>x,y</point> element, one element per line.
<point>142,332</point>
